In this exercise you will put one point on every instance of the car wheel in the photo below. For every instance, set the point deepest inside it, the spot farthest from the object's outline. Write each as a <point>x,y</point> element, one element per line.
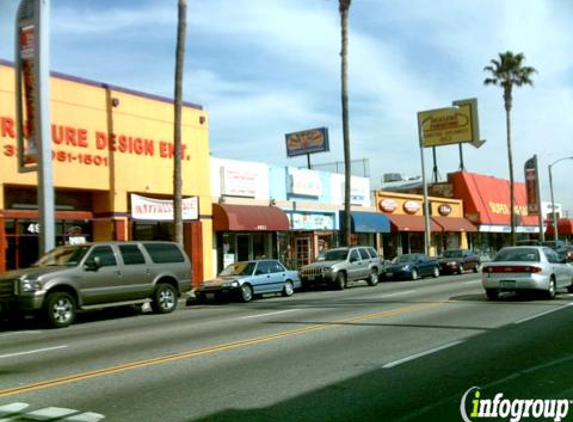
<point>164,299</point>
<point>341,281</point>
<point>552,290</point>
<point>288,289</point>
<point>492,294</point>
<point>415,274</point>
<point>570,287</point>
<point>460,269</point>
<point>373,279</point>
<point>436,272</point>
<point>60,309</point>
<point>476,268</point>
<point>246,293</point>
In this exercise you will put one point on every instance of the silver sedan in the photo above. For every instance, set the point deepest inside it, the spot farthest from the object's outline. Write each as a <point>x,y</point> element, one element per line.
<point>522,268</point>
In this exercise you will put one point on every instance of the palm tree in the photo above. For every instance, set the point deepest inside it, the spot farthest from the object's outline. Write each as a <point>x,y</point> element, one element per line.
<point>343,7</point>
<point>508,72</point>
<point>178,101</point>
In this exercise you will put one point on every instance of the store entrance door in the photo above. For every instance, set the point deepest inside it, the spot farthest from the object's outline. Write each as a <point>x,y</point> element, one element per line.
<point>243,249</point>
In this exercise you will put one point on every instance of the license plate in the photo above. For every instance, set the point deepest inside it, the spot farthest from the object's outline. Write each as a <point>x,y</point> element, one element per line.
<point>210,296</point>
<point>389,274</point>
<point>311,277</point>
<point>507,284</point>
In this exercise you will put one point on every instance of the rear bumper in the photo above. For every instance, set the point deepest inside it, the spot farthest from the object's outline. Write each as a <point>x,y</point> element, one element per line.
<point>535,282</point>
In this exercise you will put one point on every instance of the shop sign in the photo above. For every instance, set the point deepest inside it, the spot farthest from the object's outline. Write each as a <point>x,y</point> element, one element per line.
<point>311,221</point>
<point>239,182</point>
<point>411,207</point>
<point>305,182</point>
<point>143,208</point>
<point>388,205</point>
<point>307,142</point>
<point>444,210</point>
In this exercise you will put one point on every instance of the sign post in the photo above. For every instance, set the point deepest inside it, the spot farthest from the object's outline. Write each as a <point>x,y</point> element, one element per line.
<point>32,66</point>
<point>532,192</point>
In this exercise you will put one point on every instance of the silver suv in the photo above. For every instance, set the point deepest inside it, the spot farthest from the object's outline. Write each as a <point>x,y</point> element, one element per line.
<point>97,275</point>
<point>338,266</point>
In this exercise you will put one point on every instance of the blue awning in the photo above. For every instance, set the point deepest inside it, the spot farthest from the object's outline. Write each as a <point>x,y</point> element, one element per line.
<point>367,222</point>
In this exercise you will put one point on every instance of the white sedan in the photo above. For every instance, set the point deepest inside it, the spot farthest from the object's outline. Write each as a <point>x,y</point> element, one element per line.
<point>523,268</point>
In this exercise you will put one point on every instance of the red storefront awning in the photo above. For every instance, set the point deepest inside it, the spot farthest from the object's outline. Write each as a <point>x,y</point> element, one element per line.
<point>486,199</point>
<point>452,224</point>
<point>410,223</point>
<point>249,218</point>
<point>564,227</point>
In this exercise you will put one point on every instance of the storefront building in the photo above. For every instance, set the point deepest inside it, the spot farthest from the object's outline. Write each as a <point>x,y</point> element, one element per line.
<point>564,230</point>
<point>486,204</point>
<point>448,227</point>
<point>112,171</point>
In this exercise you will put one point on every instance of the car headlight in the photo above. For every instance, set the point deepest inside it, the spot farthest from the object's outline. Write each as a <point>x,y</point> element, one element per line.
<point>231,284</point>
<point>405,268</point>
<point>28,285</point>
<point>327,270</point>
<point>453,263</point>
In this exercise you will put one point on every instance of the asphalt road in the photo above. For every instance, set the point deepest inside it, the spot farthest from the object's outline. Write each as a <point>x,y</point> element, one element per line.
<point>399,351</point>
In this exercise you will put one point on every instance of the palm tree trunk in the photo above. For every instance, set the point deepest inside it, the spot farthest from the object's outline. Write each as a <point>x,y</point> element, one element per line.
<point>177,173</point>
<point>344,6</point>
<point>507,98</point>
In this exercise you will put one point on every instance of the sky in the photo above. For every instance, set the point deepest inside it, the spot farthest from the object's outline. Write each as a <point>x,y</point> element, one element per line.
<point>263,68</point>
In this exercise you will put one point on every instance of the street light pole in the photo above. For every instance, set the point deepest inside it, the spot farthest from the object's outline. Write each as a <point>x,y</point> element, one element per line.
<point>554,220</point>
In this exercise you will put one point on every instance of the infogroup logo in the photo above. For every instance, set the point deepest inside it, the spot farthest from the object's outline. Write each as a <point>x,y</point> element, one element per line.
<point>513,409</point>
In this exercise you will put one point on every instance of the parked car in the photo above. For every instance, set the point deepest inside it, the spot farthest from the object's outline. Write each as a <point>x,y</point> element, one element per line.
<point>522,268</point>
<point>412,267</point>
<point>98,275</point>
<point>248,278</point>
<point>337,267</point>
<point>566,252</point>
<point>456,261</point>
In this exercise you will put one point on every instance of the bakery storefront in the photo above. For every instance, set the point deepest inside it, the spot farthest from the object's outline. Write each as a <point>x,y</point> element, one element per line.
<point>112,170</point>
<point>448,227</point>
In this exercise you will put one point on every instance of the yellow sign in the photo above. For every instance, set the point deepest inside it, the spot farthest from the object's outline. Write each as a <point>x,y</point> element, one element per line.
<point>452,125</point>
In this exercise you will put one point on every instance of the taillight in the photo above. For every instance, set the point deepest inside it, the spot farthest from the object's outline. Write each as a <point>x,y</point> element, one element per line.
<point>512,269</point>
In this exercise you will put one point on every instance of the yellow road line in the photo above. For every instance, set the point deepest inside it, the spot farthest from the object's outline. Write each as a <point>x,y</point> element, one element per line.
<point>208,350</point>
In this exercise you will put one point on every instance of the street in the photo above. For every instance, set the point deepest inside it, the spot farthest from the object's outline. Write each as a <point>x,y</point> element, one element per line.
<point>395,352</point>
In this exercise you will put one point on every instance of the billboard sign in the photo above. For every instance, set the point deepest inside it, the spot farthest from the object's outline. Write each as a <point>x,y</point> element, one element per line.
<point>532,186</point>
<point>451,125</point>
<point>307,142</point>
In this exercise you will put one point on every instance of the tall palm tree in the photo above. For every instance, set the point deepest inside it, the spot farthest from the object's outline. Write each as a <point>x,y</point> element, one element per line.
<point>508,72</point>
<point>343,7</point>
<point>178,102</point>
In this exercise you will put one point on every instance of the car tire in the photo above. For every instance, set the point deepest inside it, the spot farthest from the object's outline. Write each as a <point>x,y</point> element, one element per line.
<point>59,309</point>
<point>476,268</point>
<point>460,269</point>
<point>246,293</point>
<point>373,278</point>
<point>570,287</point>
<point>492,294</point>
<point>415,274</point>
<point>552,290</point>
<point>341,281</point>
<point>288,289</point>
<point>436,272</point>
<point>164,300</point>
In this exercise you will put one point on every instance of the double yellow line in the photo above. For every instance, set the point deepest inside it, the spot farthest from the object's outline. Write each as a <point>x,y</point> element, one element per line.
<point>209,350</point>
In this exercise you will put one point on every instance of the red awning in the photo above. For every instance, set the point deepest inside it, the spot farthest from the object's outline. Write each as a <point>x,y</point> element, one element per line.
<point>451,224</point>
<point>564,227</point>
<point>249,218</point>
<point>410,223</point>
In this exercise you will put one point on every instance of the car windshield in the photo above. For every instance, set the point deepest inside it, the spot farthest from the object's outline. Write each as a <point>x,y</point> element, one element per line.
<point>67,256</point>
<point>403,259</point>
<point>335,255</point>
<point>453,254</point>
<point>239,268</point>
<point>517,254</point>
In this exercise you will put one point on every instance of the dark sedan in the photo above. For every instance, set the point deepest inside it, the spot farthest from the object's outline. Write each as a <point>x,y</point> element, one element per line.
<point>411,267</point>
<point>456,261</point>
